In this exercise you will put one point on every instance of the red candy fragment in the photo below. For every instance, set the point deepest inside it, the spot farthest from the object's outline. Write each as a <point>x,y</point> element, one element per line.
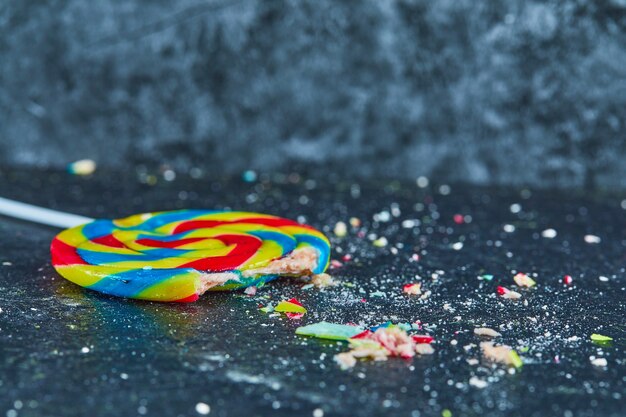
<point>567,280</point>
<point>294,301</point>
<point>501,290</point>
<point>422,338</point>
<point>363,335</point>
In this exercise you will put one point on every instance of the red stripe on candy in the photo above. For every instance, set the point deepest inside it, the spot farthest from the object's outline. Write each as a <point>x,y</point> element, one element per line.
<point>109,240</point>
<point>64,254</point>
<point>244,248</point>
<point>170,245</point>
<point>190,299</point>
<point>207,224</point>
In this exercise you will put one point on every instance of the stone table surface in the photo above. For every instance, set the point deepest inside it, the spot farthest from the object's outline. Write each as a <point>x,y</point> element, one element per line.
<point>67,351</point>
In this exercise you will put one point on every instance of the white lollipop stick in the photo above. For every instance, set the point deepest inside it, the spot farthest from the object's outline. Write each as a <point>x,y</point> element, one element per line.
<point>40,215</point>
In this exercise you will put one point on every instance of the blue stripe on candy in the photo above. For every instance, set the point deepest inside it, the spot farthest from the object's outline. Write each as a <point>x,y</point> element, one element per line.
<point>159,220</point>
<point>321,246</point>
<point>287,243</point>
<point>131,283</point>
<point>103,258</point>
<point>98,228</point>
<point>165,238</point>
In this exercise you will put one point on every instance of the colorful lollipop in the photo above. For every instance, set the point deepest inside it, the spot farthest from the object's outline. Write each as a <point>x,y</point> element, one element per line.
<point>178,255</point>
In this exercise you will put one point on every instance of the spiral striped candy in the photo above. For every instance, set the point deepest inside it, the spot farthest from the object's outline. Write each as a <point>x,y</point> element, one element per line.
<point>177,255</point>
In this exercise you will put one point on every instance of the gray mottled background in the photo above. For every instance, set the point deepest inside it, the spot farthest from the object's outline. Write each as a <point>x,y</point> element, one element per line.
<point>507,91</point>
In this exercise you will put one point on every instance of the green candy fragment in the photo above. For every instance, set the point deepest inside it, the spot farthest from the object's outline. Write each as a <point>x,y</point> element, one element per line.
<point>288,307</point>
<point>516,361</point>
<point>600,338</point>
<point>267,309</point>
<point>325,330</point>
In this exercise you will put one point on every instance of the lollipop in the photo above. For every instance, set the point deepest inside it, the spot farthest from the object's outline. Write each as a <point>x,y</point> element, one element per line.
<point>178,255</point>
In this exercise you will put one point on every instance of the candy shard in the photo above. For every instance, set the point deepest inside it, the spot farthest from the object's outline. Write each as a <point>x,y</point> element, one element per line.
<point>486,331</point>
<point>501,354</point>
<point>600,338</point>
<point>82,167</point>
<point>412,289</point>
<point>290,306</point>
<point>424,349</point>
<point>421,339</point>
<point>332,331</point>
<point>509,294</point>
<point>323,280</point>
<point>524,280</point>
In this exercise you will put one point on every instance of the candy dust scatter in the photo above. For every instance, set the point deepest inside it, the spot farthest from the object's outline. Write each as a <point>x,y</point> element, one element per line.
<point>457,245</point>
<point>82,167</point>
<point>412,289</point>
<point>203,409</point>
<point>549,233</point>
<point>523,280</point>
<point>341,229</point>
<point>445,304</point>
<point>486,332</point>
<point>7,263</point>
<point>592,239</point>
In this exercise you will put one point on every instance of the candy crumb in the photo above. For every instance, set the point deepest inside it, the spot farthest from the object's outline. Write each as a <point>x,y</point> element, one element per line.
<point>412,289</point>
<point>477,382</point>
<point>501,354</point>
<point>524,280</point>
<point>82,167</point>
<point>508,294</point>
<point>323,280</point>
<point>424,349</point>
<point>203,408</point>
<point>486,331</point>
<point>341,229</point>
<point>250,291</point>
<point>600,362</point>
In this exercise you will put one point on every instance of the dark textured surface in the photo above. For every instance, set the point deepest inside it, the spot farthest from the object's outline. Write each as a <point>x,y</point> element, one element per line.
<point>507,91</point>
<point>162,359</point>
